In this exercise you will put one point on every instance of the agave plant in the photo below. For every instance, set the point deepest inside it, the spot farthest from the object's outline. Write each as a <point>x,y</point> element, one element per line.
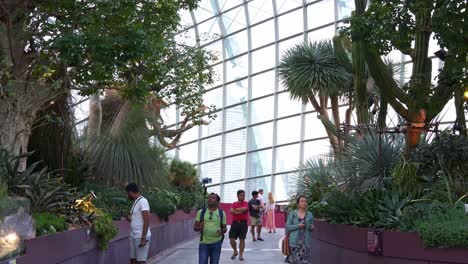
<point>369,160</point>
<point>318,172</point>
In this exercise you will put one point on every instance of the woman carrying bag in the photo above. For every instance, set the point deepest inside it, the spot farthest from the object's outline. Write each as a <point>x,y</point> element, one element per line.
<point>298,226</point>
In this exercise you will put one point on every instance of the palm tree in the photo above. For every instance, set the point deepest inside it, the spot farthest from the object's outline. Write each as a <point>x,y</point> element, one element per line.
<point>312,73</point>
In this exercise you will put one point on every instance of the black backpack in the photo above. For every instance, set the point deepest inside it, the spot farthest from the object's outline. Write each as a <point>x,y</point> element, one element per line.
<point>202,219</point>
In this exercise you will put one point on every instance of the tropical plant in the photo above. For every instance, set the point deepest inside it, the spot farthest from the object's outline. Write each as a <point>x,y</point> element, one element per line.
<point>110,199</point>
<point>45,190</point>
<point>77,169</point>
<point>447,230</point>
<point>182,173</point>
<point>407,27</point>
<point>314,177</point>
<point>128,156</point>
<point>190,198</point>
<point>47,223</point>
<point>163,203</point>
<point>368,160</point>
<point>405,177</point>
<point>312,73</point>
<point>105,230</point>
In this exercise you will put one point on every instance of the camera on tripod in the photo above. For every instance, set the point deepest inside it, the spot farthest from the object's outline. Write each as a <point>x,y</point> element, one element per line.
<point>206,181</point>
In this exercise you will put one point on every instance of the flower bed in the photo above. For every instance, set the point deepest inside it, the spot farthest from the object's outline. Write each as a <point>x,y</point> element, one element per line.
<point>80,246</point>
<point>336,244</point>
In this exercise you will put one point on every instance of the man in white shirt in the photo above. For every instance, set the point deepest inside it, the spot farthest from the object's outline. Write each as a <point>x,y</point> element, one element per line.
<point>262,207</point>
<point>140,235</point>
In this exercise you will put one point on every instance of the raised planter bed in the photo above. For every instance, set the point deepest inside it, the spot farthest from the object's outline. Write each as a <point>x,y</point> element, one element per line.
<point>79,246</point>
<point>343,244</point>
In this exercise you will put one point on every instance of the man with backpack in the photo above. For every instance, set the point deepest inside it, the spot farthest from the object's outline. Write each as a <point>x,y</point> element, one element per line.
<point>211,223</point>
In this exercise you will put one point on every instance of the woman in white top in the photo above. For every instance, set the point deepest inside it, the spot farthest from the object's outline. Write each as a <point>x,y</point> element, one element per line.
<point>270,214</point>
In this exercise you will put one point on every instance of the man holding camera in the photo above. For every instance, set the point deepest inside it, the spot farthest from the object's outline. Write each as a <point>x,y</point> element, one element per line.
<point>211,223</point>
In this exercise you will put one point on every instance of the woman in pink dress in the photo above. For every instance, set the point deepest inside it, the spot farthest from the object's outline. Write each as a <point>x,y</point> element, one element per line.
<point>270,214</point>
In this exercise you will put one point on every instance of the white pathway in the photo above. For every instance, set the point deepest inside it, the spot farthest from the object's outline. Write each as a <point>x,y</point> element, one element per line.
<point>257,252</point>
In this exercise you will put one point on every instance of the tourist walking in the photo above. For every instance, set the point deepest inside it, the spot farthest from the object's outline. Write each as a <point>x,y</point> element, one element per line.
<point>140,235</point>
<point>255,217</point>
<point>299,225</point>
<point>211,223</point>
<point>262,202</point>
<point>239,227</point>
<point>270,214</point>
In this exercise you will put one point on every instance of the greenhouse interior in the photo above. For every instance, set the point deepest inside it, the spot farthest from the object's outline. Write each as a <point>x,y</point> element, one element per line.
<point>233,131</point>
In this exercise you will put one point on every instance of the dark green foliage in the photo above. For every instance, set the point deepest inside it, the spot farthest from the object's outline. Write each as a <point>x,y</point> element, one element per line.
<point>447,154</point>
<point>163,203</point>
<point>447,230</point>
<point>183,173</point>
<point>190,198</point>
<point>76,170</point>
<point>406,178</point>
<point>420,210</point>
<point>105,230</point>
<point>110,199</point>
<point>47,223</point>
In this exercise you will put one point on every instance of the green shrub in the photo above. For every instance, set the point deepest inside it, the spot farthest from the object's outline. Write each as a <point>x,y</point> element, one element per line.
<point>162,203</point>
<point>110,199</point>
<point>189,198</point>
<point>446,230</point>
<point>182,173</point>
<point>3,190</point>
<point>105,230</point>
<point>47,223</point>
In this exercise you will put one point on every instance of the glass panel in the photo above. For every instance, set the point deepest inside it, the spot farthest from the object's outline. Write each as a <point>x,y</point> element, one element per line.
<point>263,84</point>
<point>260,10</point>
<point>187,37</point>
<point>287,158</point>
<point>257,184</point>
<point>236,142</point>
<point>171,153</point>
<point>322,34</point>
<point>237,92</point>
<point>230,191</point>
<point>227,4</point>
<point>189,135</point>
<point>290,24</point>
<point>205,10</point>
<point>316,148</point>
<point>189,153</point>
<point>314,127</point>
<point>260,163</point>
<point>209,31</point>
<point>284,185</point>
<point>237,68</point>
<point>211,170</point>
<point>261,136</point>
<point>320,13</point>
<point>211,148</point>
<point>263,59</point>
<point>236,44</point>
<point>169,115</point>
<point>217,49</point>
<point>287,44</point>
<point>236,117</point>
<point>263,34</point>
<point>218,74</point>
<point>214,127</point>
<point>345,7</point>
<point>185,18</point>
<point>214,189</point>
<point>214,97</point>
<point>262,109</point>
<point>285,5</point>
<point>234,168</point>
<point>289,130</point>
<point>287,106</point>
<point>234,20</point>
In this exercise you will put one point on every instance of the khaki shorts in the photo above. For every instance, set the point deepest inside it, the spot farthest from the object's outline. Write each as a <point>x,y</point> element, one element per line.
<point>136,252</point>
<point>255,221</point>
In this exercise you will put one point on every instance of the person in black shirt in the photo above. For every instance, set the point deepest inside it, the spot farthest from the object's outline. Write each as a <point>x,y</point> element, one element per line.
<point>255,217</point>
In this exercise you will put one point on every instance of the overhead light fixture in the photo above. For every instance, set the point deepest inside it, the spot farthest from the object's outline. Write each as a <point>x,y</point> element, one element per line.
<point>441,54</point>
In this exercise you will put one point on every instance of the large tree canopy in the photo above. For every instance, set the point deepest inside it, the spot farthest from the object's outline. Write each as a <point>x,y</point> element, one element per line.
<point>48,47</point>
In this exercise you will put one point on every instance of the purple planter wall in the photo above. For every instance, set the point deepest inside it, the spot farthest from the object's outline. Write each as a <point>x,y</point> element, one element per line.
<point>77,247</point>
<point>343,244</point>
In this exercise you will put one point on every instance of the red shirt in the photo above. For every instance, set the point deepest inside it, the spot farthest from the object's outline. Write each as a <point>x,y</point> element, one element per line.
<point>240,217</point>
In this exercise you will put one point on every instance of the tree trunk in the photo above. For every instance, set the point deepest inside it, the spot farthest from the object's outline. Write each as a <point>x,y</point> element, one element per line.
<point>15,130</point>
<point>95,116</point>
<point>382,118</point>
<point>120,118</point>
<point>322,110</point>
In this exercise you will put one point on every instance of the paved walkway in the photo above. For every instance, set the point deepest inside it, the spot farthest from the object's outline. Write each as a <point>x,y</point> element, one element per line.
<point>267,251</point>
